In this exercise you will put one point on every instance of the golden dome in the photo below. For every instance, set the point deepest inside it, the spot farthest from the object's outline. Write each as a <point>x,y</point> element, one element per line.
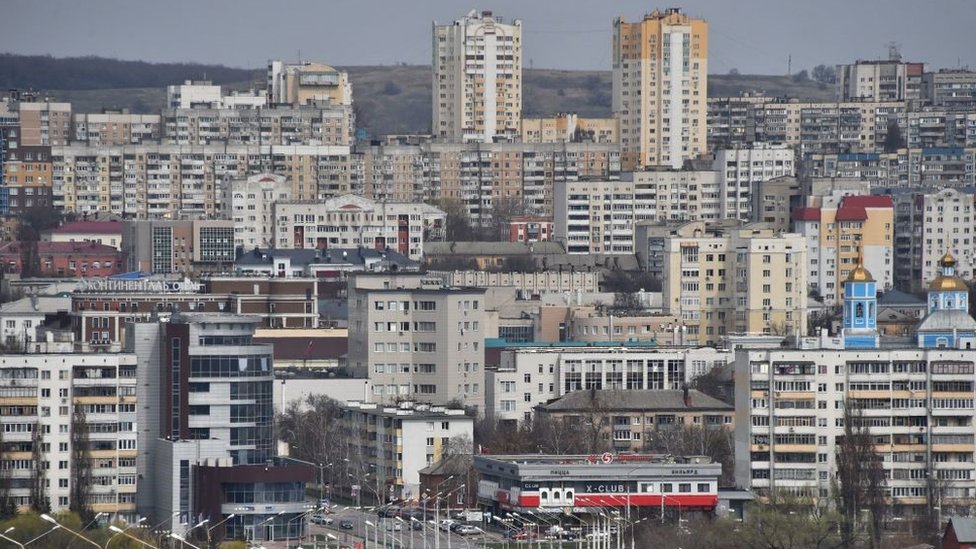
<point>947,260</point>
<point>948,284</point>
<point>860,274</point>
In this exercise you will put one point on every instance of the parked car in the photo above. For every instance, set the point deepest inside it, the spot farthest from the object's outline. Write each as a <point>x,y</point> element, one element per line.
<point>346,525</point>
<point>445,525</point>
<point>417,524</point>
<point>393,526</point>
<point>467,530</point>
<point>321,519</point>
<point>520,535</point>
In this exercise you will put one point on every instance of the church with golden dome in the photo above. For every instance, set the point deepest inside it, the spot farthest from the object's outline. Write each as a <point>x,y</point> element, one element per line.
<point>947,324</point>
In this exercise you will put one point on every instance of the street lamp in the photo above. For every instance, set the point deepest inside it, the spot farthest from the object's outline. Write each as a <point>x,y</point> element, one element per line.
<point>11,540</point>
<point>376,532</point>
<point>120,531</point>
<point>212,528</point>
<point>50,519</point>
<point>182,540</point>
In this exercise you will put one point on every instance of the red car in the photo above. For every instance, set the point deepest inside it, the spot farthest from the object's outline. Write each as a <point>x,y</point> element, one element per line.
<point>521,535</point>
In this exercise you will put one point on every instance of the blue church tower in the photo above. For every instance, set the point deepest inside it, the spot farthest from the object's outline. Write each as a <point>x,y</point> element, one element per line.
<point>947,324</point>
<point>860,309</point>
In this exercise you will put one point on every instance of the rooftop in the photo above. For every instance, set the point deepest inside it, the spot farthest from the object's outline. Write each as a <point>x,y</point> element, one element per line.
<point>335,256</point>
<point>412,410</point>
<point>635,400</point>
<point>307,348</point>
<point>89,227</point>
<point>49,248</point>
<point>37,304</point>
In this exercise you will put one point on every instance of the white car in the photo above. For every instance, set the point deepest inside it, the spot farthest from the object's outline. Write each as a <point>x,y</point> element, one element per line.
<point>598,535</point>
<point>445,525</point>
<point>393,526</point>
<point>467,530</point>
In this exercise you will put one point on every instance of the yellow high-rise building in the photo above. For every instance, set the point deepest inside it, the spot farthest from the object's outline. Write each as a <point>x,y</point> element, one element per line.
<point>660,81</point>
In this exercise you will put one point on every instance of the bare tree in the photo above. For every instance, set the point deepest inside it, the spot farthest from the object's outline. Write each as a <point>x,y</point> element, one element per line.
<point>81,473</point>
<point>860,480</point>
<point>38,494</point>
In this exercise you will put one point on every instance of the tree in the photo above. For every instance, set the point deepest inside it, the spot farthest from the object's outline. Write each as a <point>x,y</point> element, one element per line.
<point>824,74</point>
<point>626,302</point>
<point>893,138</point>
<point>786,522</point>
<point>391,88</point>
<point>801,76</point>
<point>457,227</point>
<point>733,72</point>
<point>81,484</point>
<point>31,224</point>
<point>630,281</point>
<point>503,209</point>
<point>696,440</point>
<point>860,480</point>
<point>39,501</point>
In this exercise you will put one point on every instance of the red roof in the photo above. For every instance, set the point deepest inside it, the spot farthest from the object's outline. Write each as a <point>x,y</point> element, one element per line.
<point>89,227</point>
<point>868,201</point>
<point>307,348</point>
<point>806,214</point>
<point>854,208</point>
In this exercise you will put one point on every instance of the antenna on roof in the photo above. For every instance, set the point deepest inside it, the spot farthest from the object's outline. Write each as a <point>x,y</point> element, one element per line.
<point>894,51</point>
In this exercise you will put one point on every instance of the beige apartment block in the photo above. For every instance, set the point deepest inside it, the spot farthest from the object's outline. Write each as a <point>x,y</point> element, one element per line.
<point>660,81</point>
<point>45,123</point>
<point>723,280</point>
<point>569,128</point>
<point>477,79</point>
<point>304,83</point>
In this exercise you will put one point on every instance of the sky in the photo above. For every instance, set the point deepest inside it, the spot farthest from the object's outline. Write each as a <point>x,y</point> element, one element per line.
<point>753,36</point>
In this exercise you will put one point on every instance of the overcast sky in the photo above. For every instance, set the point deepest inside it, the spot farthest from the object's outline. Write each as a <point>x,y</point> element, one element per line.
<point>754,36</point>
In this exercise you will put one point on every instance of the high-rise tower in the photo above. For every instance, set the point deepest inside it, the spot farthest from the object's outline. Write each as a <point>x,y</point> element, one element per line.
<point>660,81</point>
<point>477,87</point>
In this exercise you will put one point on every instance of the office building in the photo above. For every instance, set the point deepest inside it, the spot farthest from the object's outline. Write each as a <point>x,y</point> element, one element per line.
<point>207,432</point>
<point>477,79</point>
<point>914,396</point>
<point>660,81</point>
<point>164,247</point>
<point>417,339</point>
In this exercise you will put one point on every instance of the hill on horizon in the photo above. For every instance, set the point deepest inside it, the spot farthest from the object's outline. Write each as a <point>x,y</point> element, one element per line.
<point>389,99</point>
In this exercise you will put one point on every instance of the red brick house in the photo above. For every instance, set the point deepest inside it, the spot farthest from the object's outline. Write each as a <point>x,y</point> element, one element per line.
<point>960,533</point>
<point>65,259</point>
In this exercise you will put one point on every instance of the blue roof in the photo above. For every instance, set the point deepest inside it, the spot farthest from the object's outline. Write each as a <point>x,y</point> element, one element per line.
<point>134,275</point>
<point>943,150</point>
<point>497,342</point>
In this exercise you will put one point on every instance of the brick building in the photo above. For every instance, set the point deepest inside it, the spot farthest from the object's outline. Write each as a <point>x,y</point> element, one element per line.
<point>65,259</point>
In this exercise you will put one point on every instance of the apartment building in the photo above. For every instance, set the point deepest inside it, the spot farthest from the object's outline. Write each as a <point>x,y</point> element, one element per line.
<point>207,431</point>
<point>20,319</point>
<point>773,201</point>
<point>172,181</point>
<point>116,128</point>
<point>527,285</point>
<point>915,167</point>
<point>44,397</point>
<point>477,79</point>
<point>530,376</point>
<point>723,280</point>
<point>351,221</point>
<point>61,259</point>
<point>45,123</point>
<point>940,127</point>
<point>569,128</point>
<point>838,230</point>
<point>317,123</point>
<point>633,420</point>
<point>28,178</point>
<point>600,216</point>
<point>953,89</point>
<point>387,453</point>
<point>193,93</point>
<point>304,83</point>
<point>185,246</point>
<point>928,223</point>
<point>660,81</point>
<point>741,169</point>
<point>915,401</point>
<point>249,203</point>
<point>883,80</point>
<point>831,126</point>
<point>417,339</point>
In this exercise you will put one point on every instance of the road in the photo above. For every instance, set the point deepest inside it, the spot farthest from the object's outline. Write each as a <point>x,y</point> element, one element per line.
<point>407,538</point>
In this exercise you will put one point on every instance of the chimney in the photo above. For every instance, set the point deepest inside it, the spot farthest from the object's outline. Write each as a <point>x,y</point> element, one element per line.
<point>687,395</point>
